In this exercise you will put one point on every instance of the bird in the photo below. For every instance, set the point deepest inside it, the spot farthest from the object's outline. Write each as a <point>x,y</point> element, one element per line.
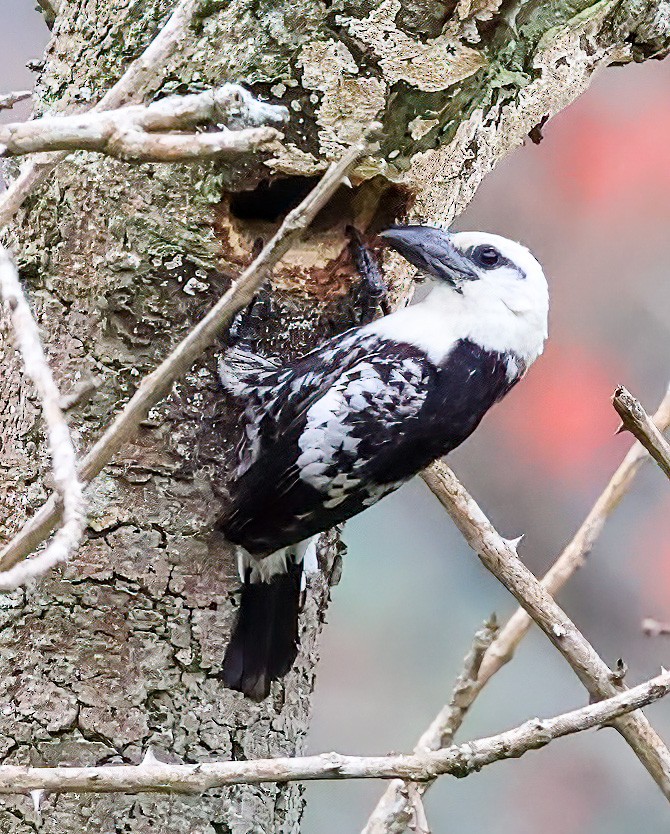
<point>333,432</point>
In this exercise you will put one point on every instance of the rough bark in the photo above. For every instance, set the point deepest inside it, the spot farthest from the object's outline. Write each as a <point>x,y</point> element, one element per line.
<point>120,651</point>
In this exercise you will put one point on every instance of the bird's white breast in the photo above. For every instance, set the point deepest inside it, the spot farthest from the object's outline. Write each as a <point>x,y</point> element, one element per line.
<point>444,317</point>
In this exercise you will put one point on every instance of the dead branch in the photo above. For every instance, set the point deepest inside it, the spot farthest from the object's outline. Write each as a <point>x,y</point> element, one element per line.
<point>636,420</point>
<point>393,809</point>
<point>157,384</point>
<point>8,100</point>
<point>131,87</point>
<point>459,760</point>
<point>397,807</point>
<point>80,393</point>
<point>145,133</point>
<point>63,457</point>
<point>499,556</point>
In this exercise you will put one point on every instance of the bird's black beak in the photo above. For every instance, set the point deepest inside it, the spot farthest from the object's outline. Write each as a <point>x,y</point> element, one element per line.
<point>432,251</point>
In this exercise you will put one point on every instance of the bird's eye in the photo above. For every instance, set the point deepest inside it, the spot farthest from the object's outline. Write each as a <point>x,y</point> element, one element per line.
<point>486,256</point>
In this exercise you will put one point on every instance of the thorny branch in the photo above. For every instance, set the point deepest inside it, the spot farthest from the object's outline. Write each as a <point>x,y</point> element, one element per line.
<point>576,552</point>
<point>146,133</point>
<point>459,760</point>
<point>131,87</point>
<point>63,457</point>
<point>641,425</point>
<point>157,384</point>
<point>393,811</point>
<point>500,557</point>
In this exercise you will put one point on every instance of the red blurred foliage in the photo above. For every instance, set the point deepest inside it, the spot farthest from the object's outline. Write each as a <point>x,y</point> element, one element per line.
<point>614,165</point>
<point>562,421</point>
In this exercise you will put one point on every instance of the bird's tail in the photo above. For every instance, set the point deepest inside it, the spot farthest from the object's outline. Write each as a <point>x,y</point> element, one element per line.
<point>264,641</point>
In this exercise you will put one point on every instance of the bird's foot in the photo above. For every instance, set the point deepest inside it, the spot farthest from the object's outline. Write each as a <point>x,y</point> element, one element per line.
<point>370,295</point>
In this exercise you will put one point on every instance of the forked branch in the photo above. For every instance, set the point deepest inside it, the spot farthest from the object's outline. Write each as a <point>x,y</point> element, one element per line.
<point>499,556</point>
<point>393,811</point>
<point>133,85</point>
<point>154,132</point>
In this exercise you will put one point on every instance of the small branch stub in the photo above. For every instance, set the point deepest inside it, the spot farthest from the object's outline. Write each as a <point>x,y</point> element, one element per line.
<point>636,420</point>
<point>655,628</point>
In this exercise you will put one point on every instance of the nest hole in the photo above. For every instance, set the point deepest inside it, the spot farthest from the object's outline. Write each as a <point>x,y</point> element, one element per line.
<point>375,203</point>
<point>270,201</point>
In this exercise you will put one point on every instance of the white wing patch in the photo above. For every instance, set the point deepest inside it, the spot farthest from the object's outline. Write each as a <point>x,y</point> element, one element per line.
<point>371,394</point>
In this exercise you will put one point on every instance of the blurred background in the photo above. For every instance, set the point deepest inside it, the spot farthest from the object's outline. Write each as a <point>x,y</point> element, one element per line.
<point>593,203</point>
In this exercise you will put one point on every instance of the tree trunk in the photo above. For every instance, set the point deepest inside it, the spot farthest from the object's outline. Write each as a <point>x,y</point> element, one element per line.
<point>119,652</point>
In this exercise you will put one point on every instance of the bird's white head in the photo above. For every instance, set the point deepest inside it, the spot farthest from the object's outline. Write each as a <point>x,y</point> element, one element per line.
<point>490,287</point>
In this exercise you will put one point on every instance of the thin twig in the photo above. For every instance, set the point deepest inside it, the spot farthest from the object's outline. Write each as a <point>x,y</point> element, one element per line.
<point>393,809</point>
<point>131,87</point>
<point>641,425</point>
<point>460,760</point>
<point>8,100</point>
<point>500,557</point>
<point>63,456</point>
<point>396,809</point>
<point>443,727</point>
<point>157,384</point>
<point>145,132</point>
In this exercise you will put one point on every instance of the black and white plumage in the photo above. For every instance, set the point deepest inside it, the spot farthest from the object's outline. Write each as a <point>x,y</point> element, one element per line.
<point>330,434</point>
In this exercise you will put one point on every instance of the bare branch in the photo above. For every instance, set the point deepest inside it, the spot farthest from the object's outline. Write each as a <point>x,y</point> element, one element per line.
<point>640,424</point>
<point>8,100</point>
<point>157,385</point>
<point>142,132</point>
<point>131,87</point>
<point>63,456</point>
<point>460,760</point>
<point>500,557</point>
<point>396,809</point>
<point>576,552</point>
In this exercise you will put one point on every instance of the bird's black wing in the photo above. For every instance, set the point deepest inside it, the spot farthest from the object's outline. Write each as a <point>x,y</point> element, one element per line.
<point>327,437</point>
